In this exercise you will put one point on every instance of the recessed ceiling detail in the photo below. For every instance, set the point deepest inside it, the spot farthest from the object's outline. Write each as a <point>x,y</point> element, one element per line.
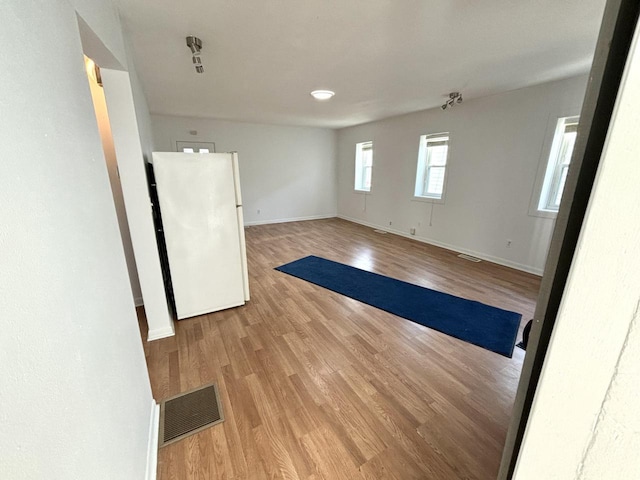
<point>383,58</point>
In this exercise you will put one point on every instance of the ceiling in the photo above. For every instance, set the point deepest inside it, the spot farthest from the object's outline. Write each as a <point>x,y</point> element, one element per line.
<point>381,57</point>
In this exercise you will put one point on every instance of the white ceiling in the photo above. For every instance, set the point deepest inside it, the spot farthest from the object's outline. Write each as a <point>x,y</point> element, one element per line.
<point>381,57</point>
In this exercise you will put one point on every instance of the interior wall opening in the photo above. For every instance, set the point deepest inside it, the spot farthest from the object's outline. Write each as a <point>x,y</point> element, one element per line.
<point>104,127</point>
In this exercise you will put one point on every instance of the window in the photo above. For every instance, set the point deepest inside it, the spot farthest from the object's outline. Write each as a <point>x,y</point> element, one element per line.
<point>432,166</point>
<point>195,147</point>
<point>364,166</point>
<point>555,175</point>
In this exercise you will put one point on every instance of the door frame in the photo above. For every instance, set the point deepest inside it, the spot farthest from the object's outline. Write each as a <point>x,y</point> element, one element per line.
<point>619,23</point>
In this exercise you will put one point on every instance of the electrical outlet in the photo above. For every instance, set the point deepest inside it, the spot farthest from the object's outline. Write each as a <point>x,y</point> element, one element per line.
<point>390,222</point>
<point>412,231</point>
<point>508,243</point>
<point>258,211</point>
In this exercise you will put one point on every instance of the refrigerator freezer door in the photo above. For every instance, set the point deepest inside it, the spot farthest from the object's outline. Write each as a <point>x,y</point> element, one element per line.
<point>198,204</point>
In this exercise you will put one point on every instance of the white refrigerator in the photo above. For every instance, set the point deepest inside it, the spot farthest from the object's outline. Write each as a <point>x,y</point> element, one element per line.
<point>201,209</point>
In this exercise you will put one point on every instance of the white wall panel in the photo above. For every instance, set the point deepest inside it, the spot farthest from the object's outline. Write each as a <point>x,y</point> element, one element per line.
<point>286,172</point>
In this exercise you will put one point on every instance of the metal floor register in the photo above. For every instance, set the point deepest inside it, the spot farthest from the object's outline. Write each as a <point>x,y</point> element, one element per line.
<point>188,413</point>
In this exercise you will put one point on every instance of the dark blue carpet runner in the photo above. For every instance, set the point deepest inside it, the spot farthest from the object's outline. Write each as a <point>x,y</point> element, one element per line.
<point>474,322</point>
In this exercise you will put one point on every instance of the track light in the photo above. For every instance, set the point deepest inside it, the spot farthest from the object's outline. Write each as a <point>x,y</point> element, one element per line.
<point>454,97</point>
<point>195,44</point>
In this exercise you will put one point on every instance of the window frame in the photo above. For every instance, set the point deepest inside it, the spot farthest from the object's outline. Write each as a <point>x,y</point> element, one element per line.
<point>197,146</point>
<point>548,177</point>
<point>423,168</point>
<point>360,168</point>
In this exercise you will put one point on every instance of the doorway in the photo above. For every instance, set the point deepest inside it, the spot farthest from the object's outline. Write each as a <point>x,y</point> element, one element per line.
<point>104,127</point>
<point>619,23</point>
<point>115,107</point>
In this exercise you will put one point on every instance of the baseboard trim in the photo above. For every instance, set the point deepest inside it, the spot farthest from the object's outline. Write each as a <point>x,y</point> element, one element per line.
<point>152,444</point>
<point>454,248</point>
<point>292,219</point>
<point>159,333</point>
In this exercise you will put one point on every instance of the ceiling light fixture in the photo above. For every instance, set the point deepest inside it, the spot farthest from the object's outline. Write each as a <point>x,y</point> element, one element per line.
<point>195,44</point>
<point>454,97</point>
<point>322,94</point>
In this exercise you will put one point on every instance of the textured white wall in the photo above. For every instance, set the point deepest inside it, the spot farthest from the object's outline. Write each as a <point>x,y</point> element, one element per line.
<point>287,173</point>
<point>75,400</point>
<point>585,421</point>
<point>495,148</point>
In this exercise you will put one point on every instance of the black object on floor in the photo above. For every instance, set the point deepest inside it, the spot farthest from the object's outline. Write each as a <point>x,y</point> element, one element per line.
<point>525,335</point>
<point>474,322</point>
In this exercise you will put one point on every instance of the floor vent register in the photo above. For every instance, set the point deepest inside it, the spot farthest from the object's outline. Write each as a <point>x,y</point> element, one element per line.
<point>188,413</point>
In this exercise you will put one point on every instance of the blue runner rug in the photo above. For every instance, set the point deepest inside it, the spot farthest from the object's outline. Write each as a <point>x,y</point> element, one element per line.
<point>474,322</point>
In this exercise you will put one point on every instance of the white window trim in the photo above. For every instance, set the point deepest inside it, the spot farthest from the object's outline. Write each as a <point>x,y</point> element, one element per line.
<point>419,167</point>
<point>181,144</point>
<point>358,190</point>
<point>552,127</point>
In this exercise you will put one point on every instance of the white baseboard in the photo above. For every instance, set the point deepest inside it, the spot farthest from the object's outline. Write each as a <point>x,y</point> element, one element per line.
<point>159,333</point>
<point>152,445</point>
<point>285,220</point>
<point>489,258</point>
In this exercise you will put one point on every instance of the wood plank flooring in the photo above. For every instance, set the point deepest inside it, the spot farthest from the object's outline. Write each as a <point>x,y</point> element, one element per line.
<point>315,385</point>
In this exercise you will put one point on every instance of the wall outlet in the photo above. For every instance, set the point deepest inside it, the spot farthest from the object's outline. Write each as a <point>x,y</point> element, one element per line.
<point>258,211</point>
<point>412,231</point>
<point>390,222</point>
<point>508,243</point>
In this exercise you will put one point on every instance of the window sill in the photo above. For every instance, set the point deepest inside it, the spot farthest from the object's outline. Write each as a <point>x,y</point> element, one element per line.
<point>362,192</point>
<point>427,199</point>
<point>543,213</point>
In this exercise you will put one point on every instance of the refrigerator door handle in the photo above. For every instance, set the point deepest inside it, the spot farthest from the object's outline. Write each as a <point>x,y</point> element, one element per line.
<point>236,177</point>
<point>243,253</point>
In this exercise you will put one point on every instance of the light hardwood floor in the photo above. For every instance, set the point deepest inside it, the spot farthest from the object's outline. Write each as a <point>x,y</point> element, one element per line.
<point>315,385</point>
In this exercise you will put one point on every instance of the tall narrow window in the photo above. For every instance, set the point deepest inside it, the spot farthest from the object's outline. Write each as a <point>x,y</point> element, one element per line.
<point>432,166</point>
<point>364,166</point>
<point>558,164</point>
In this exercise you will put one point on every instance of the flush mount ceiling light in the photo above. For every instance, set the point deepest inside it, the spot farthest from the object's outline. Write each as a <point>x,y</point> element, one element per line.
<point>454,97</point>
<point>195,44</point>
<point>322,94</point>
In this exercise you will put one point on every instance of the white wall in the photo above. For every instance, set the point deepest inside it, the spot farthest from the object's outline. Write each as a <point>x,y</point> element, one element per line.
<point>287,173</point>
<point>120,97</point>
<point>494,151</point>
<point>75,400</point>
<point>102,117</point>
<point>140,101</point>
<point>585,422</point>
